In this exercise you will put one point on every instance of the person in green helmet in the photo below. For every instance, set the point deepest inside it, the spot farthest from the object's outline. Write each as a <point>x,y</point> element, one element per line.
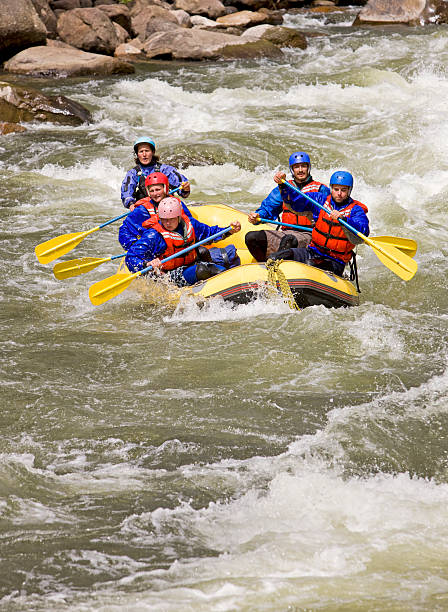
<point>133,185</point>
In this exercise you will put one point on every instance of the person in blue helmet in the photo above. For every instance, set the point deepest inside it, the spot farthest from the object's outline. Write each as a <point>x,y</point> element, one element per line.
<point>262,243</point>
<point>133,185</point>
<point>332,244</point>
<point>171,232</point>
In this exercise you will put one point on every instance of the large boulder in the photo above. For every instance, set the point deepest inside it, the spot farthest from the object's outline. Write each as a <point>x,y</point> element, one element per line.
<point>118,13</point>
<point>89,29</point>
<point>411,12</point>
<point>27,104</point>
<point>153,19</point>
<point>47,16</point>
<point>196,44</point>
<point>208,8</point>
<point>243,19</point>
<point>131,51</point>
<point>20,27</point>
<point>44,62</point>
<point>278,35</point>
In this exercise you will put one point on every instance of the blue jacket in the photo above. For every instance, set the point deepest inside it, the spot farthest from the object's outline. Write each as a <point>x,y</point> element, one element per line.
<point>357,217</point>
<point>152,245</point>
<point>130,181</point>
<point>132,227</point>
<point>272,206</point>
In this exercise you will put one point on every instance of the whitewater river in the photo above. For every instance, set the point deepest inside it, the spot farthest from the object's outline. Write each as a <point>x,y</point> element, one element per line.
<point>253,458</point>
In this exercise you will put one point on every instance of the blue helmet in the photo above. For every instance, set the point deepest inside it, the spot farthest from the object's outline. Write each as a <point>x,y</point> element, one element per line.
<point>340,177</point>
<point>299,158</point>
<point>146,140</point>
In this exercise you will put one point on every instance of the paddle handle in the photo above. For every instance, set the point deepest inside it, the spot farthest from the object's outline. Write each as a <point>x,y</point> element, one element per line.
<point>304,228</point>
<point>190,248</point>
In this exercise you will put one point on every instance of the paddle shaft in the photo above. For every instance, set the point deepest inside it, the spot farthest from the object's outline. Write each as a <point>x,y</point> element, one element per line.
<point>303,228</point>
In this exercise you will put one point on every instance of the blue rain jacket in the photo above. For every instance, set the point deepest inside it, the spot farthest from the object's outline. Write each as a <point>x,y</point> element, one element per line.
<point>130,181</point>
<point>152,245</point>
<point>131,228</point>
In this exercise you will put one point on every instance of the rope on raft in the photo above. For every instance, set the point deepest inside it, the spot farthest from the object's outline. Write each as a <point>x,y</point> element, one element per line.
<point>276,275</point>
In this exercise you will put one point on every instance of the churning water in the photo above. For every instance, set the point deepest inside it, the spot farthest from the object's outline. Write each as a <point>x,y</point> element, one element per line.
<point>248,458</point>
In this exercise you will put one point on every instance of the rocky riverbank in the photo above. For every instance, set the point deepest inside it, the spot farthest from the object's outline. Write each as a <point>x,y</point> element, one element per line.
<point>60,38</point>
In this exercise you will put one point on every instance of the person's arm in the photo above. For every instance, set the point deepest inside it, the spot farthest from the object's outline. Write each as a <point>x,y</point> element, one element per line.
<point>359,220</point>
<point>202,230</point>
<point>150,246</point>
<point>175,178</point>
<point>271,206</point>
<point>128,187</point>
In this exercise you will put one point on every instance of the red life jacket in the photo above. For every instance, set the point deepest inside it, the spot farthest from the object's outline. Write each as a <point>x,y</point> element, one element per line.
<point>329,237</point>
<point>304,218</point>
<point>147,203</point>
<point>176,242</point>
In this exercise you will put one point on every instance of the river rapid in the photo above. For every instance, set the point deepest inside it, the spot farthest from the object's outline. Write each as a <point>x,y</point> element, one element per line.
<point>222,458</point>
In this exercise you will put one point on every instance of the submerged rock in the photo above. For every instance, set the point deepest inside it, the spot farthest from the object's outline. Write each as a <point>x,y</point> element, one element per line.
<point>27,104</point>
<point>9,128</point>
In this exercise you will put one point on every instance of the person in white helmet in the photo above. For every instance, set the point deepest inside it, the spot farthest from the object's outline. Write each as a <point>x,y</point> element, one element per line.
<point>172,231</point>
<point>147,162</point>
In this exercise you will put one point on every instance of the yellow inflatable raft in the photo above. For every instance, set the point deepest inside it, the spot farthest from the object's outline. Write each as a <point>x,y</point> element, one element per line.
<point>309,286</point>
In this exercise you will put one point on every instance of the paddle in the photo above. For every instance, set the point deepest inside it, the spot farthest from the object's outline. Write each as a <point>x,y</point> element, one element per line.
<point>56,247</point>
<point>401,264</point>
<point>76,267</point>
<point>108,288</point>
<point>407,245</point>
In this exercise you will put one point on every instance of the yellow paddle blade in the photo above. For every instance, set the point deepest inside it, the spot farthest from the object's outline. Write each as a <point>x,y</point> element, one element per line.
<point>401,264</point>
<point>56,247</point>
<point>407,245</point>
<point>108,288</point>
<point>76,267</point>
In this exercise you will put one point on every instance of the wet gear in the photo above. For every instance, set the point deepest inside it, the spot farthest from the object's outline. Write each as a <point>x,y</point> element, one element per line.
<point>133,185</point>
<point>177,241</point>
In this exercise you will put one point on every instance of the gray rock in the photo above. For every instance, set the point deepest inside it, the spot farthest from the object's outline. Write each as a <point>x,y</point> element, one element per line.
<point>9,128</point>
<point>27,104</point>
<point>278,35</point>
<point>161,18</point>
<point>118,13</point>
<point>243,19</point>
<point>43,61</point>
<point>122,34</point>
<point>64,5</point>
<point>47,16</point>
<point>411,12</point>
<point>129,51</point>
<point>199,44</point>
<point>89,29</point>
<point>183,18</point>
<point>209,8</point>
<point>20,27</point>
